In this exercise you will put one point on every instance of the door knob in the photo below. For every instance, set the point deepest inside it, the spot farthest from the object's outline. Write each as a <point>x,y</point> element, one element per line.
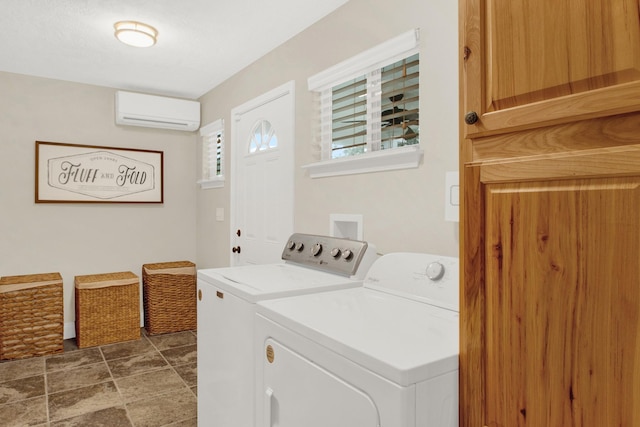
<point>471,117</point>
<point>238,233</point>
<point>236,249</point>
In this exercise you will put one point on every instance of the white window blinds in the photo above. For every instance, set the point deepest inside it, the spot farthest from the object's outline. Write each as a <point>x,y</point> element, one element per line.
<point>212,155</point>
<point>370,102</point>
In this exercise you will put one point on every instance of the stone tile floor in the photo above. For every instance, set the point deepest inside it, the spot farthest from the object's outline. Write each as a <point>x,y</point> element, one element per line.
<point>150,382</point>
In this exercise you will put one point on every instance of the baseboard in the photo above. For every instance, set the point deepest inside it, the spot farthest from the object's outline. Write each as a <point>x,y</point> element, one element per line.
<point>69,330</point>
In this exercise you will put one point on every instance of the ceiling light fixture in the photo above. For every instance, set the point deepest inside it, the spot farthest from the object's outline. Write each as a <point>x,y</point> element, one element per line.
<point>135,33</point>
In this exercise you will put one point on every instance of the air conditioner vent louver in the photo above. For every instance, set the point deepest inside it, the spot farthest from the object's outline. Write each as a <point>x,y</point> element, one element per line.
<point>164,122</point>
<point>136,109</point>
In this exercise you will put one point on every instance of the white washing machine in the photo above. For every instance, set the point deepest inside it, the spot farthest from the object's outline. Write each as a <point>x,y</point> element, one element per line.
<point>381,355</point>
<point>226,313</point>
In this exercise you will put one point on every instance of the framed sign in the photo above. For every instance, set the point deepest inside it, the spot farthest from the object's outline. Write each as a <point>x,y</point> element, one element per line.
<point>69,173</point>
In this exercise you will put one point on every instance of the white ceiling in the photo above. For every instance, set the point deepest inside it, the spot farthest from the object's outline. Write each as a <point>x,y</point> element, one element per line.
<point>201,43</point>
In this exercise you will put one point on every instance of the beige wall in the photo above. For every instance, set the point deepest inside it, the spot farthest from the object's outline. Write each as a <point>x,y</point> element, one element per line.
<point>402,210</point>
<point>76,239</point>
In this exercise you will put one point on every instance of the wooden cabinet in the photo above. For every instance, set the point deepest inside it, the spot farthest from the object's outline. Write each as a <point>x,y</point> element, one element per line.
<point>550,225</point>
<point>532,63</point>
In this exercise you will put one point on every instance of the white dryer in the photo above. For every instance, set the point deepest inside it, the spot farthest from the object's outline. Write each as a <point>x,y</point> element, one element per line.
<point>382,355</point>
<point>226,312</point>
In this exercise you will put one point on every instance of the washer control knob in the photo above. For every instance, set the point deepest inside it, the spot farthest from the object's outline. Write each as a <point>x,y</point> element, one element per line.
<point>316,249</point>
<point>347,254</point>
<point>435,271</point>
<point>335,252</point>
<point>291,245</point>
<point>299,246</point>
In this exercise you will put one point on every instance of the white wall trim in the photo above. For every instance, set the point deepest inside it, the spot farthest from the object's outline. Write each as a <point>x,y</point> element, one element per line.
<point>212,127</point>
<point>217,182</point>
<point>376,57</point>
<point>69,330</point>
<point>375,161</point>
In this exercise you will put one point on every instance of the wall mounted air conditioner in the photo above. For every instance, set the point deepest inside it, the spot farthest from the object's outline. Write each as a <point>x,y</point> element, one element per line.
<point>137,109</point>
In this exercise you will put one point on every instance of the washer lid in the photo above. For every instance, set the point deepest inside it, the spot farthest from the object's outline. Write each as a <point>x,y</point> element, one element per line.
<point>433,279</point>
<point>257,282</point>
<point>403,340</point>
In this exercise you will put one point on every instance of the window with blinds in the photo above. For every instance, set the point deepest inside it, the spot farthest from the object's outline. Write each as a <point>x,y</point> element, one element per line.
<point>376,111</point>
<point>349,118</point>
<point>212,155</point>
<point>368,110</point>
<point>399,119</point>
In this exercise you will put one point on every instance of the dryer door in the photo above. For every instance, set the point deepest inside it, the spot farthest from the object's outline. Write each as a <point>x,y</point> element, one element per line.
<point>298,392</point>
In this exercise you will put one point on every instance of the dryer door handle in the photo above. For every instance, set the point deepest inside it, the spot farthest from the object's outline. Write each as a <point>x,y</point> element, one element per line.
<point>267,406</point>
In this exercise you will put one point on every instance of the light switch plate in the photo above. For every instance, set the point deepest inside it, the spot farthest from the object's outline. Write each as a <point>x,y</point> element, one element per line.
<point>452,197</point>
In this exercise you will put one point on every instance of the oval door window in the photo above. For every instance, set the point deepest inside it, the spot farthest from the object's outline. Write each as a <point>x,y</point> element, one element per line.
<point>262,137</point>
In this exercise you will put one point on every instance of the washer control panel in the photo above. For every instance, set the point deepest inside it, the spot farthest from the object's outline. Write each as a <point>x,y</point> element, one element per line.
<point>332,254</point>
<point>433,279</point>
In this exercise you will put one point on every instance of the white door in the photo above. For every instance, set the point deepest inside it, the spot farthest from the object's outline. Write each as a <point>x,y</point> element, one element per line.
<point>262,177</point>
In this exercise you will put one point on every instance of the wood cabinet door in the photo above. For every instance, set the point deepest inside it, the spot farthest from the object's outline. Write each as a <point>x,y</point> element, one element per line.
<point>538,63</point>
<point>550,301</point>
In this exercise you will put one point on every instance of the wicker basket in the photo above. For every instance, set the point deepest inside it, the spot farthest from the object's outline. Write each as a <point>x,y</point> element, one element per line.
<point>31,315</point>
<point>169,294</point>
<point>107,308</point>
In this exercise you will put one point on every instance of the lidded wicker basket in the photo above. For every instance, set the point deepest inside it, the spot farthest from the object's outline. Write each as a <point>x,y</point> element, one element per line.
<point>31,315</point>
<point>107,308</point>
<point>169,295</point>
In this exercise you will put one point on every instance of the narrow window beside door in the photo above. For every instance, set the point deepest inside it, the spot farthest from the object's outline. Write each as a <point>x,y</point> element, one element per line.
<point>212,155</point>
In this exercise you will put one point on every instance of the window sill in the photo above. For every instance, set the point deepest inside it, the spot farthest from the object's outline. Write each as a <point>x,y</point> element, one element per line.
<point>214,183</point>
<point>377,161</point>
